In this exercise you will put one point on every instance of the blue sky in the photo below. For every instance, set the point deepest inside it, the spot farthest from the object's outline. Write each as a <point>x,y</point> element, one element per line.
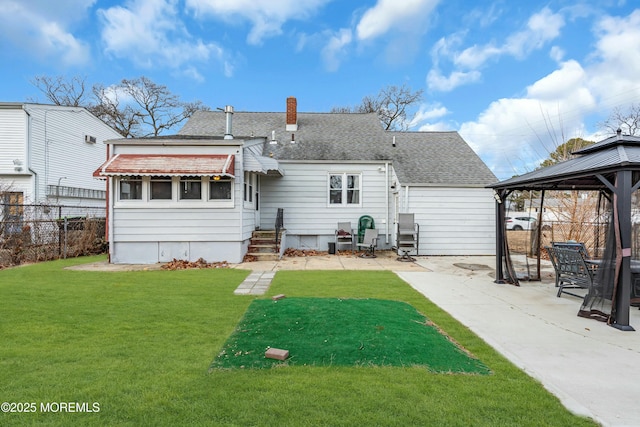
<point>515,78</point>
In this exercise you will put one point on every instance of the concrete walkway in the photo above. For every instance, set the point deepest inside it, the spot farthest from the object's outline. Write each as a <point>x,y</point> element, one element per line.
<point>593,368</point>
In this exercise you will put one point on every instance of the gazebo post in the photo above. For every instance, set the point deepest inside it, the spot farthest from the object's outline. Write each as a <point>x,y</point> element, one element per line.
<point>623,294</point>
<point>500,214</point>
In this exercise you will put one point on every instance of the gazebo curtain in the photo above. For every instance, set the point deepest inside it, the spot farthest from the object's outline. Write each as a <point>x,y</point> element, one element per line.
<point>598,303</point>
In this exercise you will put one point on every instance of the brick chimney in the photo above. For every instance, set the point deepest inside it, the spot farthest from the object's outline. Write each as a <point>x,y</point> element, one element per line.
<point>292,114</point>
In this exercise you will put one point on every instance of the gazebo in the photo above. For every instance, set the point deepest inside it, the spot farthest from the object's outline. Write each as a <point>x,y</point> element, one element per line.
<point>611,167</point>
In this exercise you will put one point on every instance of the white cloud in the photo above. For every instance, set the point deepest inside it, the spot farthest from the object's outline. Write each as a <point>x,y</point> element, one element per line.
<point>541,28</point>
<point>436,81</point>
<point>616,61</point>
<point>513,135</point>
<point>335,49</point>
<point>266,16</point>
<point>561,83</point>
<point>446,46</point>
<point>426,115</point>
<point>387,15</point>
<point>42,29</point>
<point>476,56</point>
<point>556,53</point>
<point>151,34</point>
<point>193,74</point>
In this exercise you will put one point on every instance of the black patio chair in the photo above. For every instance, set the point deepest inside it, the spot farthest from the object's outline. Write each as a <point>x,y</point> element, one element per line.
<point>572,272</point>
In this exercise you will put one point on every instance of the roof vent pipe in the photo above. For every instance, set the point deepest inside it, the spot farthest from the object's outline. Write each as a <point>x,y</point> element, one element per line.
<point>394,141</point>
<point>228,111</point>
<point>619,132</point>
<point>273,138</point>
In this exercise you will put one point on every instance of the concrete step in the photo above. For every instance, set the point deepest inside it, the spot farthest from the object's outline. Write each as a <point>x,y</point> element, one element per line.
<point>266,248</point>
<point>264,256</point>
<point>262,241</point>
<point>265,233</point>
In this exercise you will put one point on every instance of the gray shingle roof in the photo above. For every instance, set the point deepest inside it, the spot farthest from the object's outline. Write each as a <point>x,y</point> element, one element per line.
<point>419,158</point>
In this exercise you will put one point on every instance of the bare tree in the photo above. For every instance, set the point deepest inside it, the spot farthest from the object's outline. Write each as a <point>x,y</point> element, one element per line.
<point>390,103</point>
<point>123,118</point>
<point>134,108</point>
<point>627,120</point>
<point>62,91</point>
<point>157,109</point>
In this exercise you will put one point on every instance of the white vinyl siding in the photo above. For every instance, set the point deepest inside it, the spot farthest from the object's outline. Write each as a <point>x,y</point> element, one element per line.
<point>13,136</point>
<point>302,193</point>
<point>58,138</point>
<point>176,224</point>
<point>48,140</point>
<point>454,221</point>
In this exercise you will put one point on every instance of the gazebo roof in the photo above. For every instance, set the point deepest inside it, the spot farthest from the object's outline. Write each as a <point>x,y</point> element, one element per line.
<point>619,152</point>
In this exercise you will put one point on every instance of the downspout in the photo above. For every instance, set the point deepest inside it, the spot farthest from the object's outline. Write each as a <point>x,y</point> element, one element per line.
<point>240,153</point>
<point>406,199</point>
<point>386,192</point>
<point>29,144</point>
<point>107,232</point>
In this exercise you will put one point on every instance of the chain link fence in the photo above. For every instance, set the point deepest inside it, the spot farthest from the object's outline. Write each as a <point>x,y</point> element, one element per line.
<point>33,233</point>
<point>525,242</point>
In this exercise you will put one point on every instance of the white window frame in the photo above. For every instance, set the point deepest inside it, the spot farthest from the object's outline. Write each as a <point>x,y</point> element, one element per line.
<point>163,178</point>
<point>249,190</point>
<point>176,201</point>
<point>344,190</point>
<point>221,202</point>
<point>188,179</point>
<point>130,178</point>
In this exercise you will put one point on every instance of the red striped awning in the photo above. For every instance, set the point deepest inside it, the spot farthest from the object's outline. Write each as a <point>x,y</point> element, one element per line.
<point>167,165</point>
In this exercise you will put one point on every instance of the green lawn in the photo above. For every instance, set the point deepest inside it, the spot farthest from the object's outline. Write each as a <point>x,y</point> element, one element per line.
<point>139,344</point>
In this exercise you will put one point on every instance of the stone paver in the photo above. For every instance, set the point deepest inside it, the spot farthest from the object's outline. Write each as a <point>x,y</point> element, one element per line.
<point>256,283</point>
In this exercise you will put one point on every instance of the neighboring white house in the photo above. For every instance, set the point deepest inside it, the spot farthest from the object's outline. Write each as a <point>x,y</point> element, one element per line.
<point>203,192</point>
<point>48,154</point>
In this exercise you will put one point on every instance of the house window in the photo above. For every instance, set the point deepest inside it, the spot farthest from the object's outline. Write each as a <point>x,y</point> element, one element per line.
<point>190,188</point>
<point>161,188</point>
<point>248,188</point>
<point>220,188</point>
<point>344,189</point>
<point>131,188</point>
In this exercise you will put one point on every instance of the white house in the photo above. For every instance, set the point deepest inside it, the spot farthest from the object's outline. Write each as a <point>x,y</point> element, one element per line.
<point>202,193</point>
<point>48,154</point>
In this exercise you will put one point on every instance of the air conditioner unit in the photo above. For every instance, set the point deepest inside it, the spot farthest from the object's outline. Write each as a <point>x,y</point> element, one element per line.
<point>90,139</point>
